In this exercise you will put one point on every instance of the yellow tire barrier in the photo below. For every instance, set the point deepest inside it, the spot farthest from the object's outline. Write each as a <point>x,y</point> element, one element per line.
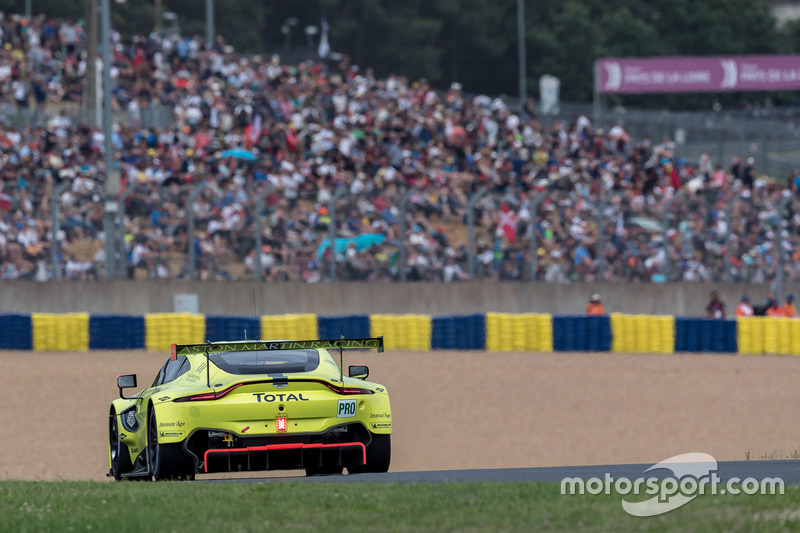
<point>60,332</point>
<point>768,335</point>
<point>531,332</point>
<point>162,330</point>
<point>302,326</point>
<point>403,332</point>
<point>642,333</point>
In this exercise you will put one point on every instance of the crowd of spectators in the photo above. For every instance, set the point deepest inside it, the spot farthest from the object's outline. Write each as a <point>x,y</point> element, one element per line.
<point>603,205</point>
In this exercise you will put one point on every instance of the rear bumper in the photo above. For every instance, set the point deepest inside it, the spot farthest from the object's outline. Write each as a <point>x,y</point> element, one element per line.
<point>284,456</point>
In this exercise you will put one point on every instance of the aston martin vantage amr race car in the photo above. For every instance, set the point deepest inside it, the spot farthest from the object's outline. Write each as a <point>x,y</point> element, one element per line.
<point>252,406</point>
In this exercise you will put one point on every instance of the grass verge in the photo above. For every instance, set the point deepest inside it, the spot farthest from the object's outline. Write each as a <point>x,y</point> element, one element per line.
<point>281,505</point>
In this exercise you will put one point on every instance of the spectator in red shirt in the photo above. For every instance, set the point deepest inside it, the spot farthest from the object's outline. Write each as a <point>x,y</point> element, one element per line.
<point>716,307</point>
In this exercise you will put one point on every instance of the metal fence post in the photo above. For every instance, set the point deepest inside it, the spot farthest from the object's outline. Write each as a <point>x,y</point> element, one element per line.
<point>259,206</point>
<point>665,227</point>
<point>123,261</point>
<point>55,211</point>
<point>601,258</point>
<point>401,262</point>
<point>763,153</point>
<point>476,196</point>
<point>729,220</point>
<point>192,253</point>
<point>534,209</point>
<point>779,246</point>
<point>339,193</point>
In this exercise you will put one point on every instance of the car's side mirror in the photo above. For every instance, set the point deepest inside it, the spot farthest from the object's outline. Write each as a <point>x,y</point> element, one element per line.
<point>358,371</point>
<point>126,381</point>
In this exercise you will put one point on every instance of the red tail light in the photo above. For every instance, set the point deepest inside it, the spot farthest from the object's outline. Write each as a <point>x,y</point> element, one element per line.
<point>345,390</point>
<point>208,395</point>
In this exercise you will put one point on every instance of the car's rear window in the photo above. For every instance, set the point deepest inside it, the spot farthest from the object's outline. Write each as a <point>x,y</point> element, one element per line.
<point>266,362</point>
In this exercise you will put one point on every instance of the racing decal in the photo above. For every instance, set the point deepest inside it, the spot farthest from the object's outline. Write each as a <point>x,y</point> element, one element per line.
<point>201,367</point>
<point>122,436</point>
<point>134,450</point>
<point>382,425</point>
<point>347,409</point>
<point>380,415</point>
<point>379,389</point>
<point>280,385</point>
<point>244,430</point>
<point>262,397</point>
<point>177,424</point>
<point>191,377</point>
<point>163,399</point>
<point>169,434</point>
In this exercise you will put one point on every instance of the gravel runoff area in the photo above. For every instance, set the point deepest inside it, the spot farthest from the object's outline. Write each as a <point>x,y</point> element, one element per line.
<point>454,410</point>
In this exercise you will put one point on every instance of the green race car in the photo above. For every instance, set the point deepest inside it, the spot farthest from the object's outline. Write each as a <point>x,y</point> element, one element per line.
<point>252,406</point>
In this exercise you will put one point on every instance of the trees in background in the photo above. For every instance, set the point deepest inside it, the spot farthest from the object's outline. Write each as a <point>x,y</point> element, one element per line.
<point>474,41</point>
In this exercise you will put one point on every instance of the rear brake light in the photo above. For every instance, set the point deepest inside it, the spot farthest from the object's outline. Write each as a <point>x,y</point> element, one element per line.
<point>208,395</point>
<point>345,390</point>
<point>281,423</point>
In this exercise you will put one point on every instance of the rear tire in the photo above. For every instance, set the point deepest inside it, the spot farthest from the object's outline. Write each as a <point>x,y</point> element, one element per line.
<point>120,457</point>
<point>167,461</point>
<point>379,456</point>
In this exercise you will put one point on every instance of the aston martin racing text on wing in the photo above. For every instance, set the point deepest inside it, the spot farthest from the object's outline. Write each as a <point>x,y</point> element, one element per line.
<point>286,345</point>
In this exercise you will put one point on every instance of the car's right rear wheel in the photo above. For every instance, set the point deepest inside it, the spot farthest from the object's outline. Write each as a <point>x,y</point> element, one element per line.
<point>379,456</point>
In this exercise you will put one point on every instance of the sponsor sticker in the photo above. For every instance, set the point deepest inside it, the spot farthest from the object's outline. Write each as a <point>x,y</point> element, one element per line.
<point>383,425</point>
<point>177,424</point>
<point>169,434</point>
<point>347,409</point>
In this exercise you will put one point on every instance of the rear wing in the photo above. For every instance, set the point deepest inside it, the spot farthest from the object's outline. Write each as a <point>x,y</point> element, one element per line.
<point>251,346</point>
<point>254,346</point>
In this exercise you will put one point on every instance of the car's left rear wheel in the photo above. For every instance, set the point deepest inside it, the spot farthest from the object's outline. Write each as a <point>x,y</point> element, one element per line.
<point>120,458</point>
<point>167,461</point>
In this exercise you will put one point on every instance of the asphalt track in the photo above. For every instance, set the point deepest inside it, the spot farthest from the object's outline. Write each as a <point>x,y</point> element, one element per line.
<point>788,470</point>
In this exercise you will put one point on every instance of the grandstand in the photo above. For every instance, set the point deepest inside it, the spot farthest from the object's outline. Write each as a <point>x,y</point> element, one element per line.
<point>200,133</point>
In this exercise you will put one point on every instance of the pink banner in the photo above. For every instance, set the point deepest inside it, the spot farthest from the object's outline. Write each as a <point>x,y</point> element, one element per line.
<point>698,74</point>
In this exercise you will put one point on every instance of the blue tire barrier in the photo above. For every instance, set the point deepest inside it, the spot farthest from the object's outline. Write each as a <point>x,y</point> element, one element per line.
<point>562,333</point>
<point>471,331</point>
<point>705,335</point>
<point>731,344</point>
<point>116,332</point>
<point>232,328</point>
<point>349,326</point>
<point>601,333</point>
<point>16,332</point>
<point>459,332</point>
<point>573,333</point>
